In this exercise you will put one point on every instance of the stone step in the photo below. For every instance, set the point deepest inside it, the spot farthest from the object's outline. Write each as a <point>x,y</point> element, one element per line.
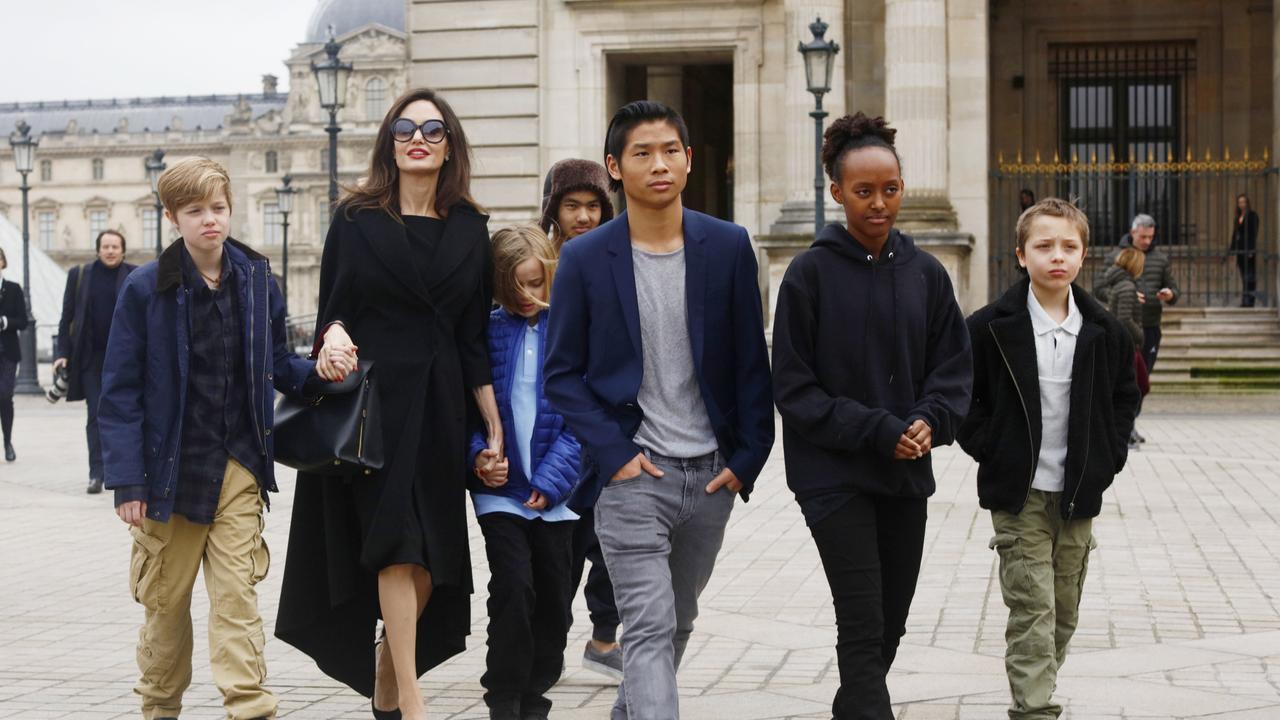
<point>1229,353</point>
<point>1213,325</point>
<point>1186,382</point>
<point>1244,363</point>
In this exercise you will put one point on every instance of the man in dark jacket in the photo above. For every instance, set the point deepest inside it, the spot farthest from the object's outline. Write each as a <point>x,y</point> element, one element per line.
<point>575,200</point>
<point>87,305</point>
<point>1156,286</point>
<point>1053,403</point>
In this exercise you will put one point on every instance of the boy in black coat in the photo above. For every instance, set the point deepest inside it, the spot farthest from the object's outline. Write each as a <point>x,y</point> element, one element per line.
<point>1053,403</point>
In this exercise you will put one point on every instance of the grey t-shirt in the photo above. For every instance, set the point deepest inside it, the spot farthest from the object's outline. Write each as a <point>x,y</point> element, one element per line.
<point>675,418</point>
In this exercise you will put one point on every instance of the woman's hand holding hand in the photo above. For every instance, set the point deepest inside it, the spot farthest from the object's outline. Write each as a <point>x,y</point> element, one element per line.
<point>491,468</point>
<point>338,357</point>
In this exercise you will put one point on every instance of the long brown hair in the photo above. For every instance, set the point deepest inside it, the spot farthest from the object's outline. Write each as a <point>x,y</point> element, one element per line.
<point>380,187</point>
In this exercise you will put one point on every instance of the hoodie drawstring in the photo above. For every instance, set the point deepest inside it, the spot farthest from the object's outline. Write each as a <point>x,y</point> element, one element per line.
<point>893,280</point>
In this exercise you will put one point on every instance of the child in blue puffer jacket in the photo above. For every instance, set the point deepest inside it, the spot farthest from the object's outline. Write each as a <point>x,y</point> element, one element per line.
<point>519,500</point>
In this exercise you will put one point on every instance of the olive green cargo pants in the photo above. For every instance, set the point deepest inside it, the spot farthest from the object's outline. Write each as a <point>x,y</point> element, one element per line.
<point>1043,562</point>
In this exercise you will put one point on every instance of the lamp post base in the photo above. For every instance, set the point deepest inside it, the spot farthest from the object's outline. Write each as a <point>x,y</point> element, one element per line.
<point>28,381</point>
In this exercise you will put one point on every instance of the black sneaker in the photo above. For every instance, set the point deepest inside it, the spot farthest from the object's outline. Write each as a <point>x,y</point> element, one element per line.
<point>95,486</point>
<point>9,454</point>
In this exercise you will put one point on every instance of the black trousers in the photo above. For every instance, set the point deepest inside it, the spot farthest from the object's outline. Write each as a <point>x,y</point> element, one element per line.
<point>599,589</point>
<point>8,381</point>
<point>529,597</point>
<point>871,549</point>
<point>1248,264</point>
<point>1151,346</point>
<point>91,381</point>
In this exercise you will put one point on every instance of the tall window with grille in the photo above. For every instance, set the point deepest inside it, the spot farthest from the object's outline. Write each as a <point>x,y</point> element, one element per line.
<point>45,228</point>
<point>149,218</point>
<point>271,230</point>
<point>272,162</point>
<point>375,98</point>
<point>97,222</point>
<point>97,168</point>
<point>46,171</point>
<point>1125,103</point>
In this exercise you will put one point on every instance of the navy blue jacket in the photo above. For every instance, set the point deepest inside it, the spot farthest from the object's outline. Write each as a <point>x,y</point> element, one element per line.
<point>555,455</point>
<point>144,380</point>
<point>594,358</point>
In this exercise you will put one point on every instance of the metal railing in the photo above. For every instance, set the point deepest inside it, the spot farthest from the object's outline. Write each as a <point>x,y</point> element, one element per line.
<point>1192,200</point>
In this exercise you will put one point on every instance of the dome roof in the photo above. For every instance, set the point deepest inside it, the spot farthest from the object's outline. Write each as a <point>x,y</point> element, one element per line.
<point>347,15</point>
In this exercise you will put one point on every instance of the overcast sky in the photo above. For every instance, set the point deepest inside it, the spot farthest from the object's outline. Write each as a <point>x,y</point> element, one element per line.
<point>77,49</point>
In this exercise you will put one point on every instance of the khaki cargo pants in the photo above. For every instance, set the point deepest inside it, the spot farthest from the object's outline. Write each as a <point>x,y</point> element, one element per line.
<point>1043,562</point>
<point>162,573</point>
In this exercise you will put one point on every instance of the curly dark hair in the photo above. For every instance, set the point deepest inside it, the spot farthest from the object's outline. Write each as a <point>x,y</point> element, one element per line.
<point>853,132</point>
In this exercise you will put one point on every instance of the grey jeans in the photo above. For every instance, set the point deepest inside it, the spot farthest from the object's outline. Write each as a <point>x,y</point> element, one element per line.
<point>660,537</point>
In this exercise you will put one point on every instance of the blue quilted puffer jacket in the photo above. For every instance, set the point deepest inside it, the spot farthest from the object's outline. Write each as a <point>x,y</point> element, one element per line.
<point>555,453</point>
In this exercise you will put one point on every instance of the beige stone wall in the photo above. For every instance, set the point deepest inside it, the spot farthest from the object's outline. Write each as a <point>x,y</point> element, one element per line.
<point>483,56</point>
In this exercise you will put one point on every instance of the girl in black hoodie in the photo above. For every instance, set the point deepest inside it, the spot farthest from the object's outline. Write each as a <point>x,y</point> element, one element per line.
<point>871,370</point>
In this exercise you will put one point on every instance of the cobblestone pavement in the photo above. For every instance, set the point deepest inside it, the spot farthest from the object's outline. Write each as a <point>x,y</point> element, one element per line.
<point>1181,612</point>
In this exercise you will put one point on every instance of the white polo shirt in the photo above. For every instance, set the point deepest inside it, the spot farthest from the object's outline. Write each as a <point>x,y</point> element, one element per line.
<point>1055,351</point>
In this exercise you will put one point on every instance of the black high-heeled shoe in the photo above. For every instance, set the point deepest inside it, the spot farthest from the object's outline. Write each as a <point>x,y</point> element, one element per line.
<point>381,714</point>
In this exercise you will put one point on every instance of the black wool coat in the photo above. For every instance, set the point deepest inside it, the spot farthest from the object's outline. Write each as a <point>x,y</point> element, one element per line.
<point>13,306</point>
<point>426,334</point>
<point>74,332</point>
<point>1002,430</point>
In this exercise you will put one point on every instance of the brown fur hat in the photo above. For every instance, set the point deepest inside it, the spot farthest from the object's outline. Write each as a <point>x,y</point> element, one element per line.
<point>569,176</point>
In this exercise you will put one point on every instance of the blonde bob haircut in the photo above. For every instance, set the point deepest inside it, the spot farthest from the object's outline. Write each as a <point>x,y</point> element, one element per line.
<point>1053,207</point>
<point>1131,260</point>
<point>512,246</point>
<point>192,179</point>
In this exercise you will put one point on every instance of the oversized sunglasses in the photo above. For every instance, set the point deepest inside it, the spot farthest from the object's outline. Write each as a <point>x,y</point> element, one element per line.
<point>433,131</point>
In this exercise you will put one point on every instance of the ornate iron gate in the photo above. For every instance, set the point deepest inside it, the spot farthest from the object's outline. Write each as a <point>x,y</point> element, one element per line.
<point>1193,202</point>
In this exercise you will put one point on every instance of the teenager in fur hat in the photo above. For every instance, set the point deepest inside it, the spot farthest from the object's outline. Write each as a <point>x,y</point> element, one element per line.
<point>574,200</point>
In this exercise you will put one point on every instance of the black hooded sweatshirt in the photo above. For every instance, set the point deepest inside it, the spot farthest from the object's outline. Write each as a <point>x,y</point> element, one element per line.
<point>861,349</point>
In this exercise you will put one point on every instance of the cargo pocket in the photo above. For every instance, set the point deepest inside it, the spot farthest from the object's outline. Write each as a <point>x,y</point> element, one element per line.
<point>1084,565</point>
<point>145,569</point>
<point>258,642</point>
<point>1015,576</point>
<point>260,556</point>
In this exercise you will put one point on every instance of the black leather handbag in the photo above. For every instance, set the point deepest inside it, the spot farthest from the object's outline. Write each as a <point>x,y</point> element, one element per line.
<point>338,433</point>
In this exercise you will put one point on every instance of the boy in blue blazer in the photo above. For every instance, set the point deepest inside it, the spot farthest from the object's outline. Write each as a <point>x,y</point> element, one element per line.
<point>656,358</point>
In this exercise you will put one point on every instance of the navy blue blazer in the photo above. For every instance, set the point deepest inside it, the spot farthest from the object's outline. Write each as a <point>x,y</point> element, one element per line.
<point>594,362</point>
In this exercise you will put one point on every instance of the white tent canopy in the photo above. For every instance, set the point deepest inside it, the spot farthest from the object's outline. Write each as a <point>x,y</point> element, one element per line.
<point>47,278</point>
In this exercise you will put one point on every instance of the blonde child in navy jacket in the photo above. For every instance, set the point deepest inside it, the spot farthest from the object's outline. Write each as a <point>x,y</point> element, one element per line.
<point>520,499</point>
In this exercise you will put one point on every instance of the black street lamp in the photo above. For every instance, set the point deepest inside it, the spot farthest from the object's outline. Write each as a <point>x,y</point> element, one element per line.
<point>24,155</point>
<point>155,168</point>
<point>284,202</point>
<point>331,75</point>
<point>819,57</point>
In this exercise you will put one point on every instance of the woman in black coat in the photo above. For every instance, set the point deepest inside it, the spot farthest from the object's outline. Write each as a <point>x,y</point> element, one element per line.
<point>1244,245</point>
<point>13,317</point>
<point>405,278</point>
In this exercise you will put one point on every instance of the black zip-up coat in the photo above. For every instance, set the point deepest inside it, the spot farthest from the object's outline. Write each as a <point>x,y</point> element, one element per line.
<point>1002,431</point>
<point>861,348</point>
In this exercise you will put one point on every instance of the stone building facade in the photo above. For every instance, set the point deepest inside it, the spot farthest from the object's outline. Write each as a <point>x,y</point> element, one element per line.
<point>972,86</point>
<point>90,173</point>
<point>965,81</point>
